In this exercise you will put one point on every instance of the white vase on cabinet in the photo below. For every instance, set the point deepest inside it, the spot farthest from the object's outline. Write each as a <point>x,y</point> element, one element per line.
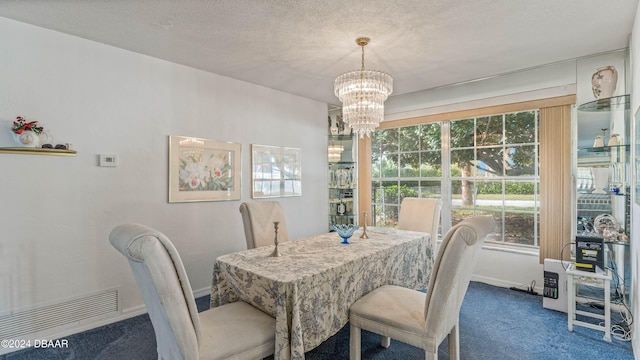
<point>27,139</point>
<point>600,179</point>
<point>604,81</point>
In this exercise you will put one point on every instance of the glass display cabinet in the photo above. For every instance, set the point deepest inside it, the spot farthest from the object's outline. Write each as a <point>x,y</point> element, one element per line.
<point>602,182</point>
<point>602,177</point>
<point>342,179</point>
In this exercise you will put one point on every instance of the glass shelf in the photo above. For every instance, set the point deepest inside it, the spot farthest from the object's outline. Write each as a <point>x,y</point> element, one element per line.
<point>341,137</point>
<point>36,151</point>
<point>623,243</point>
<point>605,148</point>
<point>337,201</point>
<point>621,102</point>
<point>341,219</point>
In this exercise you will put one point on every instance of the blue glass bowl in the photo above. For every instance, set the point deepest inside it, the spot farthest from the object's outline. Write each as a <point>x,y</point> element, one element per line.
<point>345,231</point>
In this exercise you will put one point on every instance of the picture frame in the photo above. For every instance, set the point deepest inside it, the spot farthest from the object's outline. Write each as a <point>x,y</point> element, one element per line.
<point>276,171</point>
<point>203,170</point>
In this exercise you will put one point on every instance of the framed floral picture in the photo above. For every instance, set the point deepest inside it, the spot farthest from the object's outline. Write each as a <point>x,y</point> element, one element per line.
<point>203,170</point>
<point>275,171</point>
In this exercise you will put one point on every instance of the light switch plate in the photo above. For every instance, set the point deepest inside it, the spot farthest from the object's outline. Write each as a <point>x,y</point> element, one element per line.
<point>108,160</point>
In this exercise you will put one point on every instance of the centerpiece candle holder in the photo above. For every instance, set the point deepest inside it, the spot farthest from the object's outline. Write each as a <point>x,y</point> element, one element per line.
<point>364,228</point>
<point>275,252</point>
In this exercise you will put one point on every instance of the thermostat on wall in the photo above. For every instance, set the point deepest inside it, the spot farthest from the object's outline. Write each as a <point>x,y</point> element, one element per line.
<point>108,160</point>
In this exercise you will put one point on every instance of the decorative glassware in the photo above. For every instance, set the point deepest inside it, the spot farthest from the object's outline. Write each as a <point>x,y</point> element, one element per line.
<point>275,252</point>
<point>343,178</point>
<point>607,226</point>
<point>341,208</point>
<point>345,231</point>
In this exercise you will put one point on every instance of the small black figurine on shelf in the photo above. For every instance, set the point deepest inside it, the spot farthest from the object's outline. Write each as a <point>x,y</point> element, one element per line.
<point>275,252</point>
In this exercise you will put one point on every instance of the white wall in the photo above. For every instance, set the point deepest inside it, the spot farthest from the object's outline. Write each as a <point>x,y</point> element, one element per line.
<point>546,81</point>
<point>56,212</point>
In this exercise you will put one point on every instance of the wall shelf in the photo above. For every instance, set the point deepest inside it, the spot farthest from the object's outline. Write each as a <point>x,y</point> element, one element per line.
<point>36,151</point>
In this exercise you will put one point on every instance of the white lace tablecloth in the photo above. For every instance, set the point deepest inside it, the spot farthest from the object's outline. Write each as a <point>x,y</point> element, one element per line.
<point>310,288</point>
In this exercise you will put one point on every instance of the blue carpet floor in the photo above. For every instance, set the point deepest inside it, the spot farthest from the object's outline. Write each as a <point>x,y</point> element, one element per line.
<point>495,323</point>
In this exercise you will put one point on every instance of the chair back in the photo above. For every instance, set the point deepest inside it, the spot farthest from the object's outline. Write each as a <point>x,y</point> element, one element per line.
<point>258,218</point>
<point>165,288</point>
<point>451,274</point>
<point>421,214</point>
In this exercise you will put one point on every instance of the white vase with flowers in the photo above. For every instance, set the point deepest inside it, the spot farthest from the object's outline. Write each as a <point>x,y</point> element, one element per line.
<point>26,133</point>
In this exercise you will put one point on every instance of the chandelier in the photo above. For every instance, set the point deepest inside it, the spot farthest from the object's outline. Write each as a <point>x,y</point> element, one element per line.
<point>362,93</point>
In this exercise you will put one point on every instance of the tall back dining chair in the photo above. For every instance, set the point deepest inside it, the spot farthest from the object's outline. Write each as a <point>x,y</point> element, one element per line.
<point>258,218</point>
<point>421,214</point>
<point>232,331</point>
<point>419,319</point>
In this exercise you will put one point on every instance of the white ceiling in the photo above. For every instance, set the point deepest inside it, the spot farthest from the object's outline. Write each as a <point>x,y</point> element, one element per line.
<point>300,46</point>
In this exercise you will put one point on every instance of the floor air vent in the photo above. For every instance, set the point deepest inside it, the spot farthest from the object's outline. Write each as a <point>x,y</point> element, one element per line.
<point>22,323</point>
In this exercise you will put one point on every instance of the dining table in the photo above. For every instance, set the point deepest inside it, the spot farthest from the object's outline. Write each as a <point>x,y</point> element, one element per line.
<point>310,287</point>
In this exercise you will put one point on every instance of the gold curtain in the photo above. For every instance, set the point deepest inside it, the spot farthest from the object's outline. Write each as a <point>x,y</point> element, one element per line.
<point>364,179</point>
<point>555,182</point>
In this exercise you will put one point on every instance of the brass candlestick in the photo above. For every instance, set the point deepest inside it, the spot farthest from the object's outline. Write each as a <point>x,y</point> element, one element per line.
<point>364,228</point>
<point>275,252</point>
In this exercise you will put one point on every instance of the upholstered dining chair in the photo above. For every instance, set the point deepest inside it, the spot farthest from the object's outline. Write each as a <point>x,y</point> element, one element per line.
<point>421,214</point>
<point>258,218</point>
<point>232,331</point>
<point>419,319</point>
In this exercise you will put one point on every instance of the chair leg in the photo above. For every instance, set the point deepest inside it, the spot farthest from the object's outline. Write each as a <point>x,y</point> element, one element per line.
<point>385,342</point>
<point>431,355</point>
<point>354,342</point>
<point>454,343</point>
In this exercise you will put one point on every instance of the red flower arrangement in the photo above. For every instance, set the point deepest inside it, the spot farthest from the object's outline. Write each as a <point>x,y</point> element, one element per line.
<point>21,125</point>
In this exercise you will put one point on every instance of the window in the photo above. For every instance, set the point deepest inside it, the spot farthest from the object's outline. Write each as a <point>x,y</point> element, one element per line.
<point>490,164</point>
<point>494,171</point>
<point>406,162</point>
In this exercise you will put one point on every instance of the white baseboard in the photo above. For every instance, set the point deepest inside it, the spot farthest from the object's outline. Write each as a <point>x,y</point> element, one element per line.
<point>505,284</point>
<point>202,292</point>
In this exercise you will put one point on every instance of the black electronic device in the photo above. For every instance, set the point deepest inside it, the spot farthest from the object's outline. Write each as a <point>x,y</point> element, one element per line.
<point>550,284</point>
<point>589,253</point>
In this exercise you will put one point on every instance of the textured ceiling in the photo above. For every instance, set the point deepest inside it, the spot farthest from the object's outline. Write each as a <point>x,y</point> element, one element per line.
<point>300,46</point>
